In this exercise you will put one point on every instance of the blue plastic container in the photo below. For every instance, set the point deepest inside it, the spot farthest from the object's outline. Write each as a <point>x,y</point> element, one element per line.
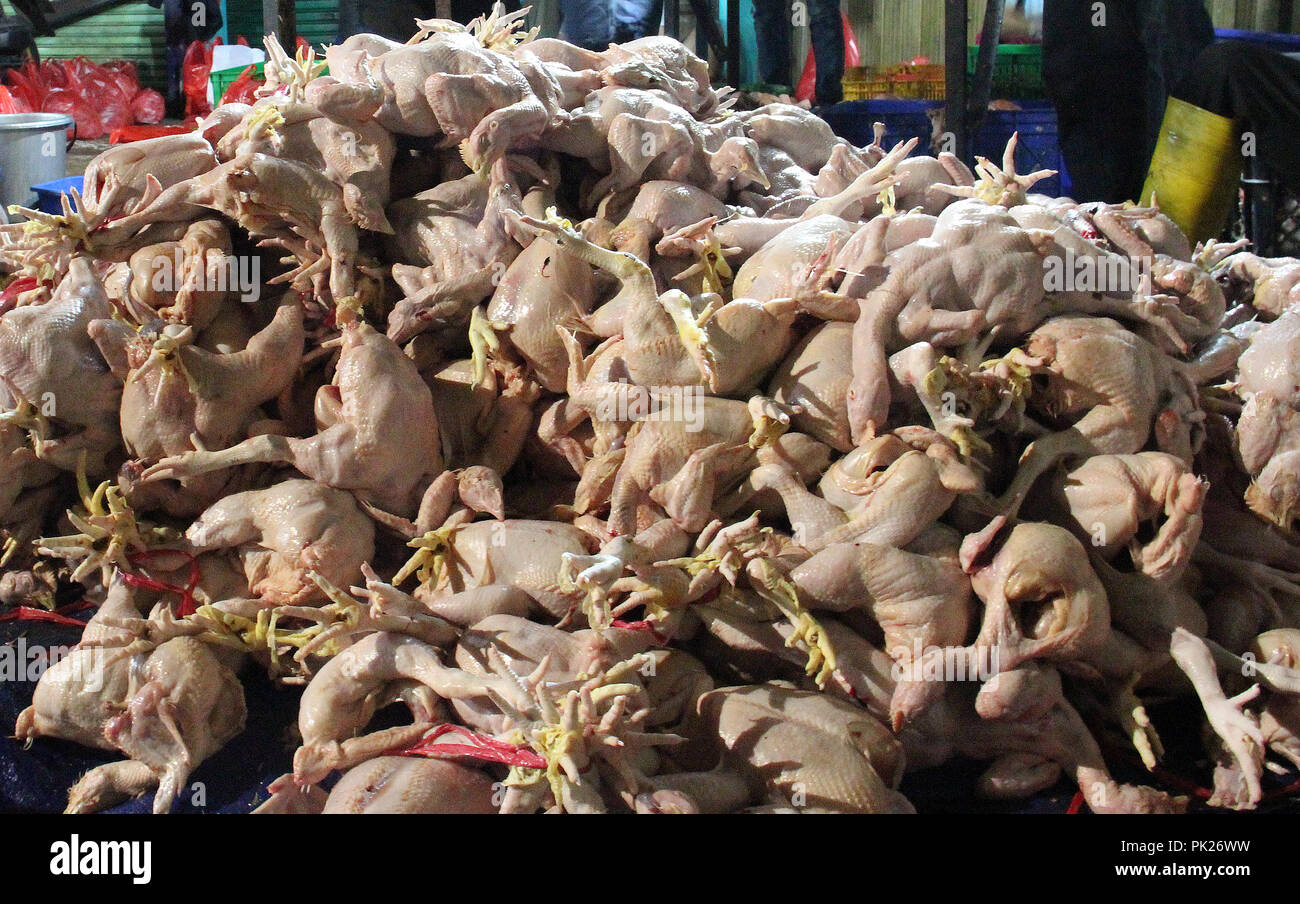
<point>47,194</point>
<point>1039,146</point>
<point>852,120</point>
<point>1282,43</point>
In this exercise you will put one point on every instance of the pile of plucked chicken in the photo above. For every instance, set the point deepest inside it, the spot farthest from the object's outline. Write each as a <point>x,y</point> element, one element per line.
<point>633,452</point>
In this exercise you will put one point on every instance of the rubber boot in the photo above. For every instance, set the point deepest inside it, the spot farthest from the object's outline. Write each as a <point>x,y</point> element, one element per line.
<point>1195,171</point>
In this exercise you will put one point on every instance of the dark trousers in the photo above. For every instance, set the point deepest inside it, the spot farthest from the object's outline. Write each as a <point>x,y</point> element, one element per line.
<point>464,10</point>
<point>1258,88</point>
<point>1110,82</point>
<point>637,18</point>
<point>773,25</point>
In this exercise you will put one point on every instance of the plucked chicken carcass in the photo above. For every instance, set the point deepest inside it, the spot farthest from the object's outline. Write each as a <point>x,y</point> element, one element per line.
<point>653,451</point>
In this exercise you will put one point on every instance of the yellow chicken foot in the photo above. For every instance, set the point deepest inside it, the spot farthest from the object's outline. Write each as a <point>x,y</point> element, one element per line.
<point>778,590</point>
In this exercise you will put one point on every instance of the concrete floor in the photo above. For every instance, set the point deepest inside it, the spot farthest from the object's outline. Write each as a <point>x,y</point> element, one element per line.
<point>82,153</point>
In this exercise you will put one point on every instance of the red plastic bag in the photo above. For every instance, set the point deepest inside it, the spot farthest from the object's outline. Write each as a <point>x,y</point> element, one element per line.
<point>148,108</point>
<point>195,69</point>
<point>126,68</point>
<point>242,90</point>
<point>102,91</point>
<point>79,71</point>
<point>15,103</point>
<point>807,86</point>
<point>64,100</point>
<point>123,73</point>
<point>24,89</point>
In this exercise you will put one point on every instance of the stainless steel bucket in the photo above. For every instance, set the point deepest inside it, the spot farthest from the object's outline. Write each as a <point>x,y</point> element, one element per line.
<point>33,150</point>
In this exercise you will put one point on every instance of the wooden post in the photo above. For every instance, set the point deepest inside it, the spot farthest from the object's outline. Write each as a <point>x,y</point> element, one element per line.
<point>349,18</point>
<point>954,51</point>
<point>981,90</point>
<point>673,19</point>
<point>281,17</point>
<point>547,13</point>
<point>733,43</point>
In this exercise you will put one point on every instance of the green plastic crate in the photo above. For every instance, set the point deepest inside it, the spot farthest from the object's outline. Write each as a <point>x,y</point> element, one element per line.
<point>224,78</point>
<point>1017,70</point>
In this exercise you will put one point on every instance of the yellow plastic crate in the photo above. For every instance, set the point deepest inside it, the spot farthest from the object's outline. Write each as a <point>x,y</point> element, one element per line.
<point>854,90</point>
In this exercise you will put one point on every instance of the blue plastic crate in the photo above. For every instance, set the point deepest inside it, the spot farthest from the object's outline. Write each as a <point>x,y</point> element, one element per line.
<point>852,120</point>
<point>47,194</point>
<point>1282,43</point>
<point>1039,146</point>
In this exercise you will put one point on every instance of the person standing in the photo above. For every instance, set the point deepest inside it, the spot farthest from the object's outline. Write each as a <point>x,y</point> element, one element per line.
<point>637,19</point>
<point>184,22</point>
<point>395,19</point>
<point>587,23</point>
<point>775,20</point>
<point>1109,68</point>
<point>464,11</point>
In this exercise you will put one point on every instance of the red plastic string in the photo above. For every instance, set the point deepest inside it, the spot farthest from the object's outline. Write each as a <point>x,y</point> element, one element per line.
<point>1177,782</point>
<point>640,626</point>
<point>480,747</point>
<point>1187,786</point>
<point>107,221</point>
<point>1283,792</point>
<point>144,582</point>
<point>17,287</point>
<point>1076,803</point>
<point>30,613</point>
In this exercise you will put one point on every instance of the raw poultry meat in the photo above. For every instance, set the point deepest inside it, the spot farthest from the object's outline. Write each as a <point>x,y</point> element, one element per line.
<point>166,703</point>
<point>178,396</point>
<point>377,433</point>
<point>286,532</point>
<point>655,451</point>
<point>57,384</point>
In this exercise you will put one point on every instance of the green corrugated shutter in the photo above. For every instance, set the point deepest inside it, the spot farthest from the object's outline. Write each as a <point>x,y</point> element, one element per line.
<point>132,31</point>
<point>318,20</point>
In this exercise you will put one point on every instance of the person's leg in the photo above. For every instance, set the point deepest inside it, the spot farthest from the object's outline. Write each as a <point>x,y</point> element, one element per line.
<point>654,19</point>
<point>175,31</point>
<point>636,19</point>
<point>772,31</point>
<point>1095,76</point>
<point>828,49</point>
<point>464,10</point>
<point>1258,88</point>
<point>587,23</point>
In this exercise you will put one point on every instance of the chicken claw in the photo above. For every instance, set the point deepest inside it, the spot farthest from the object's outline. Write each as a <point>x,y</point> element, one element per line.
<point>781,592</point>
<point>1238,729</point>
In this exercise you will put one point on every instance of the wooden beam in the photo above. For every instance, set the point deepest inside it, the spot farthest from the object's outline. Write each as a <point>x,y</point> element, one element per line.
<point>981,90</point>
<point>33,12</point>
<point>708,28</point>
<point>45,17</point>
<point>548,17</point>
<point>733,43</point>
<point>349,17</point>
<point>954,32</point>
<point>281,17</point>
